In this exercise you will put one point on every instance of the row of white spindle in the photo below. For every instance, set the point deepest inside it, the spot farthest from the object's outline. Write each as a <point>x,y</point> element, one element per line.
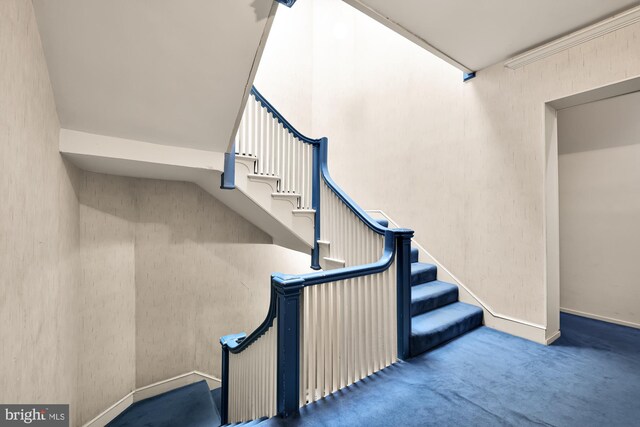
<point>252,379</point>
<point>348,332</point>
<point>278,152</point>
<point>351,240</point>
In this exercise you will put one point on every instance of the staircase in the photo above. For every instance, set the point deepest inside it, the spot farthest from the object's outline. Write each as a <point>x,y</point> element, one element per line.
<point>373,303</point>
<point>436,314</point>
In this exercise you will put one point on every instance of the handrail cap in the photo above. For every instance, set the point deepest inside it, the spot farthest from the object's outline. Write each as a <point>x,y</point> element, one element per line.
<point>233,340</point>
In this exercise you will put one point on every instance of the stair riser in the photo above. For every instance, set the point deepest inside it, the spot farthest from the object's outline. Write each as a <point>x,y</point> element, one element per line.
<point>415,254</point>
<point>424,276</point>
<point>422,343</point>
<point>423,306</point>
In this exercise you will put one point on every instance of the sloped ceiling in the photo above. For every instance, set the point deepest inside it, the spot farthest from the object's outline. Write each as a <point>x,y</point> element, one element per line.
<point>477,34</point>
<point>163,71</point>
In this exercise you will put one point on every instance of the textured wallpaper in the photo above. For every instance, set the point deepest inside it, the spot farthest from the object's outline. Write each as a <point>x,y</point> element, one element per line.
<point>167,269</point>
<point>39,227</point>
<point>108,283</point>
<point>460,163</point>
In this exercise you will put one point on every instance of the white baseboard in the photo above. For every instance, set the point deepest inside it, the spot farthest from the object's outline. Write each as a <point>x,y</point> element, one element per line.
<point>492,319</point>
<point>602,318</point>
<point>149,391</point>
<point>552,338</point>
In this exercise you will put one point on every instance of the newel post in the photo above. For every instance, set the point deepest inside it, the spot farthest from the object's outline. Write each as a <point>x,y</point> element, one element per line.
<point>228,177</point>
<point>403,268</point>
<point>288,292</point>
<point>319,156</point>
<point>224,395</point>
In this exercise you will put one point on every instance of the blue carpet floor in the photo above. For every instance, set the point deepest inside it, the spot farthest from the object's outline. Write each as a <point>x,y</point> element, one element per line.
<point>191,405</point>
<point>589,377</point>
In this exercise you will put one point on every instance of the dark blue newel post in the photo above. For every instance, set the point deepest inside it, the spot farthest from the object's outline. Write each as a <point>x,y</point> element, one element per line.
<point>288,292</point>
<point>315,201</point>
<point>228,177</point>
<point>403,268</point>
<point>224,395</point>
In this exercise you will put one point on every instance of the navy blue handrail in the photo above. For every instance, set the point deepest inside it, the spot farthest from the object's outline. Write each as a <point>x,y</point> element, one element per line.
<point>337,274</point>
<point>324,169</point>
<point>353,206</point>
<point>270,108</point>
<point>238,342</point>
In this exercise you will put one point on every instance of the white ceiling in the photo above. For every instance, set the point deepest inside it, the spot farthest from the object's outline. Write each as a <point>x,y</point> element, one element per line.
<point>477,34</point>
<point>165,71</point>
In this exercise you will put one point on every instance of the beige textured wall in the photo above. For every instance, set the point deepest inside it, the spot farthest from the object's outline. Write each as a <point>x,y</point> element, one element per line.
<point>108,217</point>
<point>461,164</point>
<point>167,270</point>
<point>291,33</point>
<point>201,272</point>
<point>73,247</point>
<point>39,233</point>
<point>600,208</point>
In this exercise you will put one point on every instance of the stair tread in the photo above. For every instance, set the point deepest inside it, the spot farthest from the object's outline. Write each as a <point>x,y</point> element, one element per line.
<point>435,320</point>
<point>285,194</point>
<point>431,296</point>
<point>423,273</point>
<point>265,177</point>
<point>431,289</point>
<point>443,324</point>
<point>193,404</point>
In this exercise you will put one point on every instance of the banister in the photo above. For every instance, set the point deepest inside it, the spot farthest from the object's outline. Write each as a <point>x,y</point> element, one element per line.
<point>270,108</point>
<point>238,342</point>
<point>328,276</point>
<point>353,206</point>
<point>287,290</point>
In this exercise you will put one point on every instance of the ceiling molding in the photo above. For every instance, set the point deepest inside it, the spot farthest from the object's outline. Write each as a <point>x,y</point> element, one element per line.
<point>591,32</point>
<point>393,25</point>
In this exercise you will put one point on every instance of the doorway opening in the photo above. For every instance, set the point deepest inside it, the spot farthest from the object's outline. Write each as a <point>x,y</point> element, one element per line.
<point>593,205</point>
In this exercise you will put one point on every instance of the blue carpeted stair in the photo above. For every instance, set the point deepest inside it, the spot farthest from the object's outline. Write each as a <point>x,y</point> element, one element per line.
<point>189,406</point>
<point>437,315</point>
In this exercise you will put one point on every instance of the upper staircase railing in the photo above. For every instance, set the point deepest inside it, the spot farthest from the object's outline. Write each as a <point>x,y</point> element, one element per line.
<point>328,329</point>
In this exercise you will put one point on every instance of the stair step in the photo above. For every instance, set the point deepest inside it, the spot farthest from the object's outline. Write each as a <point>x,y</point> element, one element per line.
<point>415,254</point>
<point>286,196</point>
<point>193,404</point>
<point>291,197</point>
<point>383,222</point>
<point>304,212</point>
<point>422,273</point>
<point>272,180</point>
<point>249,423</point>
<point>248,161</point>
<point>331,263</point>
<point>443,324</point>
<point>432,295</point>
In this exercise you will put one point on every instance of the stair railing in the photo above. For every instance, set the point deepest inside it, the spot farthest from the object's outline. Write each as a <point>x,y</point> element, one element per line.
<point>328,329</point>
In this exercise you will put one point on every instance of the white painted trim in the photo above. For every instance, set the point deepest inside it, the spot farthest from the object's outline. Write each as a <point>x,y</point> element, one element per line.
<point>73,142</point>
<point>111,412</point>
<point>522,328</point>
<point>149,391</point>
<point>583,35</point>
<point>395,26</point>
<point>553,338</point>
<point>601,318</point>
